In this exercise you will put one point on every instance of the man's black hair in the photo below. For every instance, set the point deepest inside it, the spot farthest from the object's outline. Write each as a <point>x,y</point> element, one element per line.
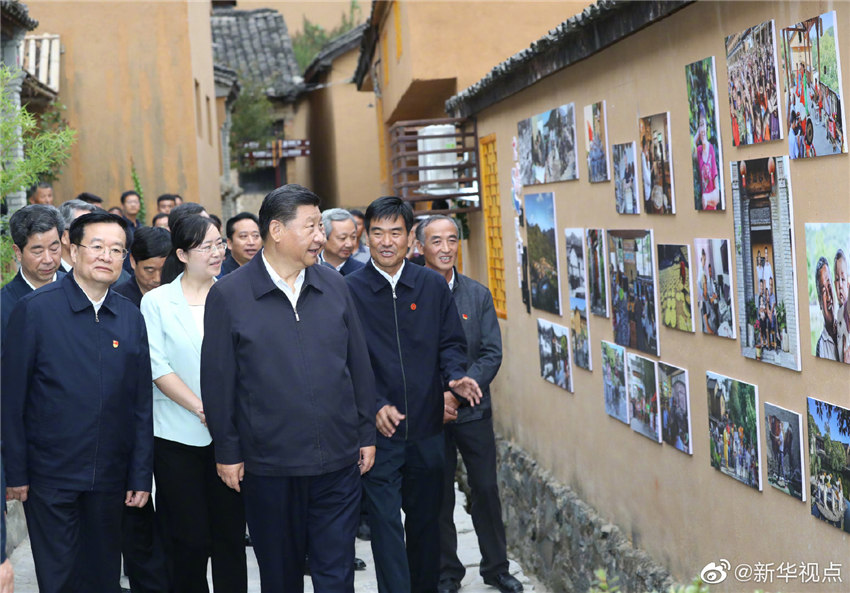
<point>822,263</point>
<point>157,216</point>
<point>150,241</point>
<point>356,212</point>
<point>282,204</point>
<point>128,193</point>
<point>184,209</point>
<point>35,218</point>
<point>78,227</point>
<point>216,221</point>
<point>166,198</point>
<point>37,186</point>
<point>90,198</point>
<point>389,207</point>
<point>231,222</point>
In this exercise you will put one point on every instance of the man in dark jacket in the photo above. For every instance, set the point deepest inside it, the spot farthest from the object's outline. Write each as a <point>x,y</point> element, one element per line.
<point>417,348</point>
<point>243,241</point>
<point>151,246</point>
<point>471,429</point>
<point>341,235</point>
<point>79,449</point>
<point>289,398</point>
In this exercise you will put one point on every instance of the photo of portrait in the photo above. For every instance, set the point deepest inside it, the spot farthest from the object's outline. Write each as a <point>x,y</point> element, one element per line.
<point>765,250</point>
<point>596,130</point>
<point>734,428</point>
<point>643,396</point>
<point>597,282</point>
<point>553,341</point>
<point>704,121</point>
<point>656,163</point>
<point>814,100</point>
<point>753,83</point>
<point>715,305</point>
<point>547,146</point>
<point>675,407</point>
<point>576,279</point>
<point>633,302</point>
<point>625,179</point>
<point>545,284</point>
<point>784,447</point>
<point>614,381</point>
<point>828,271</point>
<point>829,477</point>
<point>675,286</point>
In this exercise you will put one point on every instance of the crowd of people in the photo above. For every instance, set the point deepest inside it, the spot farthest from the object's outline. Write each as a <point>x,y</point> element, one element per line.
<point>286,376</point>
<point>738,456</point>
<point>753,90</point>
<point>766,330</point>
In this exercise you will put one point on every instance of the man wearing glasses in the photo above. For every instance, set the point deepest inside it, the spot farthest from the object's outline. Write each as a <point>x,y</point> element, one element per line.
<point>76,451</point>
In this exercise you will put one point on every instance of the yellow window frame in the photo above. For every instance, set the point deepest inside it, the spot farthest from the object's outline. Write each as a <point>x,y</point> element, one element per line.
<point>492,210</point>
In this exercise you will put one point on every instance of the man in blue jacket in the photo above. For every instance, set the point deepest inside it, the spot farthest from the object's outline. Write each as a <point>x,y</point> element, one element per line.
<point>77,450</point>
<point>341,240</point>
<point>418,349</point>
<point>289,398</point>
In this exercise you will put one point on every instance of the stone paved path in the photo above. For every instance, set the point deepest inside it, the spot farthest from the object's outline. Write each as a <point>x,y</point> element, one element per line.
<point>364,581</point>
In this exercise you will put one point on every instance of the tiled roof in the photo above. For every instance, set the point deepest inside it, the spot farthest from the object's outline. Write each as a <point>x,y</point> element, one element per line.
<point>598,26</point>
<point>14,10</point>
<point>256,44</point>
<point>332,50</point>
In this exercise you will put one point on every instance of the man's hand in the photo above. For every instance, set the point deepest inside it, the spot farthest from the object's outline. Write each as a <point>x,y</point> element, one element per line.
<point>450,406</point>
<point>387,420</point>
<point>231,474</point>
<point>136,498</point>
<point>17,493</point>
<point>467,388</point>
<point>367,459</point>
<point>7,577</point>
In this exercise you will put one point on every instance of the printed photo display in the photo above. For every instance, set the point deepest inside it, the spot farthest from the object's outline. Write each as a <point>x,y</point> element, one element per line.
<point>553,341</point>
<point>734,427</point>
<point>829,477</point>
<point>675,407</point>
<point>544,282</point>
<point>643,396</point>
<point>632,275</point>
<point>614,381</point>
<point>625,179</point>
<point>813,90</point>
<point>828,271</point>
<point>715,306</point>
<point>675,286</point>
<point>547,146</point>
<point>765,249</point>
<point>784,440</point>
<point>579,329</point>
<point>753,81</point>
<point>656,162</point>
<point>596,130</point>
<point>704,121</point>
<point>597,283</point>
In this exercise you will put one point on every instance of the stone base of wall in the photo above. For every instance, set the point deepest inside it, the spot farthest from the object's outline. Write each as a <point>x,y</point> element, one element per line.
<point>16,525</point>
<point>559,538</point>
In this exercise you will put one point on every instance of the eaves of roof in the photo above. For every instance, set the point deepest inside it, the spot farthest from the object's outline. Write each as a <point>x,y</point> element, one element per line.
<point>18,13</point>
<point>332,50</point>
<point>369,41</point>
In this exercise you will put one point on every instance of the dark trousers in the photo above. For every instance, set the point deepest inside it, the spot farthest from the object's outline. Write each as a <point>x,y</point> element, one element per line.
<point>200,518</point>
<point>291,517</point>
<point>141,545</point>
<point>477,445</point>
<point>75,538</point>
<point>407,475</point>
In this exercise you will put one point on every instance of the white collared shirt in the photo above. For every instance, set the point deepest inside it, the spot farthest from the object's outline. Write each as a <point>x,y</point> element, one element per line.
<point>30,284</point>
<point>452,281</point>
<point>66,267</point>
<point>323,261</point>
<point>393,280</point>
<point>292,295</point>
<point>97,304</point>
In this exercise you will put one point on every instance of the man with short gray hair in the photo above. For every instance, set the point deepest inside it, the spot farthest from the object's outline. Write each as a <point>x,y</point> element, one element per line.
<point>341,234</point>
<point>71,210</point>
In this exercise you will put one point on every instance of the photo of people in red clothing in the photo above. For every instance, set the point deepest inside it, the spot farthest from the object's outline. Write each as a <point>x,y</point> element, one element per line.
<point>706,152</point>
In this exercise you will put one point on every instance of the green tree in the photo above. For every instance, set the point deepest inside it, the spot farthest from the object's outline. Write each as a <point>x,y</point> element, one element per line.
<point>828,59</point>
<point>307,43</point>
<point>835,456</point>
<point>253,120</point>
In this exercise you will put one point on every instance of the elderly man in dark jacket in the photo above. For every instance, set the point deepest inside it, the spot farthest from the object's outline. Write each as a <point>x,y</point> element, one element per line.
<point>470,430</point>
<point>417,348</point>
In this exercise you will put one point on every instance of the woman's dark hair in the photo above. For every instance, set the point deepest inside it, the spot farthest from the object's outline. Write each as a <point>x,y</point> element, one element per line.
<point>187,233</point>
<point>184,209</point>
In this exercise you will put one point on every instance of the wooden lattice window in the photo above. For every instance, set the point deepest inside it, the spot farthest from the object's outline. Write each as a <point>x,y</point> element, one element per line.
<point>493,223</point>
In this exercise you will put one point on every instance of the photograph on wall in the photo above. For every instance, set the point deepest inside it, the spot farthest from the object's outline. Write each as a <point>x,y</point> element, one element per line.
<point>643,396</point>
<point>734,428</point>
<point>765,258</point>
<point>784,450</point>
<point>675,407</point>
<point>614,381</point>
<point>553,342</point>
<point>828,271</point>
<point>704,121</point>
<point>596,130</point>
<point>829,474</point>
<point>656,163</point>
<point>675,287</point>
<point>753,82</point>
<point>576,279</point>
<point>547,146</point>
<point>814,100</point>
<point>545,283</point>
<point>597,282</point>
<point>625,179</point>
<point>633,302</point>
<point>715,301</point>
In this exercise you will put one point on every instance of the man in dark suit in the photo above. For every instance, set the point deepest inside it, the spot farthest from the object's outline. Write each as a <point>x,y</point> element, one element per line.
<point>151,246</point>
<point>341,234</point>
<point>36,232</point>
<point>243,241</point>
<point>289,398</point>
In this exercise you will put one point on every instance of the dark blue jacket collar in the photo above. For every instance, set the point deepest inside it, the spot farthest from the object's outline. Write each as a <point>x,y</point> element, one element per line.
<point>78,299</point>
<point>377,281</point>
<point>262,283</point>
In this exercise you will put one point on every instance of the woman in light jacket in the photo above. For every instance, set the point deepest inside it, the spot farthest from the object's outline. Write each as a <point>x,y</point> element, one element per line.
<point>202,518</point>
